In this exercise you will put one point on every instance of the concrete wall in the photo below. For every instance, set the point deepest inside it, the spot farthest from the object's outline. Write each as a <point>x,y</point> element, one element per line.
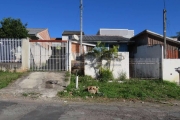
<point>145,51</point>
<point>122,66</point>
<point>117,65</point>
<point>169,72</point>
<point>25,54</point>
<point>65,37</point>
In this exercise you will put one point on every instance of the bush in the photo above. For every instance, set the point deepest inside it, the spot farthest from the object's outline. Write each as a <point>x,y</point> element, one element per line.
<point>105,75</point>
<point>122,76</point>
<point>85,78</point>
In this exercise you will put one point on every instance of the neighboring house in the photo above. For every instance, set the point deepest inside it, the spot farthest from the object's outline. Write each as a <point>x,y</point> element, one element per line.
<point>116,32</point>
<point>112,37</point>
<point>149,44</point>
<point>109,41</point>
<point>75,44</point>
<point>38,33</point>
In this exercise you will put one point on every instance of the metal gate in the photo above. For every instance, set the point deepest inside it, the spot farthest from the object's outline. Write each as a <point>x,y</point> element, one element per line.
<point>48,55</point>
<point>145,68</point>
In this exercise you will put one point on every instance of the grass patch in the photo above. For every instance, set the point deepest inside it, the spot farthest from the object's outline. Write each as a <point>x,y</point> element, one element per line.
<point>31,95</point>
<point>131,89</point>
<point>67,76</point>
<point>7,77</point>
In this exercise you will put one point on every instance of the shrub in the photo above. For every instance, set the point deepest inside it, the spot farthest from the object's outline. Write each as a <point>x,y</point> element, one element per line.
<point>85,78</point>
<point>105,75</point>
<point>122,76</point>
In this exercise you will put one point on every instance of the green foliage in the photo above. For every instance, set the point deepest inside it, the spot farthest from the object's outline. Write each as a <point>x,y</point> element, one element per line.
<point>25,94</point>
<point>12,28</point>
<point>122,76</point>
<point>85,78</point>
<point>68,74</point>
<point>7,77</point>
<point>100,52</point>
<point>132,89</point>
<point>105,75</point>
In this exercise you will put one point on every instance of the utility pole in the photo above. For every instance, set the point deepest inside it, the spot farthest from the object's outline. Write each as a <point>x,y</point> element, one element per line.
<point>164,31</point>
<point>81,25</point>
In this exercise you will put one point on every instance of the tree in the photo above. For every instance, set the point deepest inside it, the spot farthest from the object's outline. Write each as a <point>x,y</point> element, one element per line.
<point>13,28</point>
<point>100,53</point>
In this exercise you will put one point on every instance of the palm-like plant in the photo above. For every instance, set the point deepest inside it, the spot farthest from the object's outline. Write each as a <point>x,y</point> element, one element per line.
<point>100,52</point>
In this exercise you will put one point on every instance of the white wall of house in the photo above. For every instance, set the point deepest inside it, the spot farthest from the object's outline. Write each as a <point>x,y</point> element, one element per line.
<point>65,37</point>
<point>117,32</point>
<point>169,72</point>
<point>155,51</point>
<point>117,65</point>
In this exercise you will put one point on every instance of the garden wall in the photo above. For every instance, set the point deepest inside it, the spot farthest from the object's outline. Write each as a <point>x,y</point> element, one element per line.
<point>118,66</point>
<point>169,72</point>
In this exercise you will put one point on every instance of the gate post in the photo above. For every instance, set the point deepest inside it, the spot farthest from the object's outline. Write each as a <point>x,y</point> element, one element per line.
<point>25,54</point>
<point>68,54</point>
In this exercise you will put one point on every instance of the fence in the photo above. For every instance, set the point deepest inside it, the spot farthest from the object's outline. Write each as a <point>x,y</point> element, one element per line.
<point>145,68</point>
<point>10,53</point>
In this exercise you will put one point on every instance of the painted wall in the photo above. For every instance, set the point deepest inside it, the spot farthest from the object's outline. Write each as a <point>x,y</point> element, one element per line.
<point>25,54</point>
<point>44,35</point>
<point>155,51</point>
<point>117,66</point>
<point>38,50</point>
<point>169,72</point>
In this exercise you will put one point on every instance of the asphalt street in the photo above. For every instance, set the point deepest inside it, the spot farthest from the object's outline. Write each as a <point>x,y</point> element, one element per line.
<point>42,110</point>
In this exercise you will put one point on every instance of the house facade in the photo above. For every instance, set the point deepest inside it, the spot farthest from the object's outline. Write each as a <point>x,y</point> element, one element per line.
<point>149,39</point>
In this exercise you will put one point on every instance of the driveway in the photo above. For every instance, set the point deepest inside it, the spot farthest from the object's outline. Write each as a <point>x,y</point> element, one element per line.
<point>34,84</point>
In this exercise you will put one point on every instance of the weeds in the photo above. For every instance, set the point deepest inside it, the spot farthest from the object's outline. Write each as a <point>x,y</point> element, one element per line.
<point>67,76</point>
<point>7,77</point>
<point>131,89</point>
<point>122,76</point>
<point>105,75</point>
<point>31,94</point>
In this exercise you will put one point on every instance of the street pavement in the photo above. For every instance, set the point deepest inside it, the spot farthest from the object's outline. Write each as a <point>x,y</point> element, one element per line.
<point>64,110</point>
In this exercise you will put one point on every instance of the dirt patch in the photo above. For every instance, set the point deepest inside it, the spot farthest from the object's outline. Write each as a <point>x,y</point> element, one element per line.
<point>35,84</point>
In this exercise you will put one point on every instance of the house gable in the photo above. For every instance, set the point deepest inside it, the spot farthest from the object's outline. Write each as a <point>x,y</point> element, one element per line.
<point>38,33</point>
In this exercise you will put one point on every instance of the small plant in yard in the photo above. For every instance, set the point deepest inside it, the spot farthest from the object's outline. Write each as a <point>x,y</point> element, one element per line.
<point>85,78</point>
<point>122,76</point>
<point>31,94</point>
<point>67,76</point>
<point>105,75</point>
<point>25,94</point>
